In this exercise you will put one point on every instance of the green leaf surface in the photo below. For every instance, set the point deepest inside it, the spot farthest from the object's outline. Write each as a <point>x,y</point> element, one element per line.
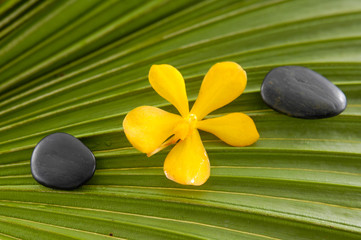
<point>80,66</point>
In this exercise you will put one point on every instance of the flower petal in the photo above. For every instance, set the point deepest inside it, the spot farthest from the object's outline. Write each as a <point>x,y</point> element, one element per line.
<point>223,83</point>
<point>168,82</point>
<point>236,129</point>
<point>187,163</point>
<point>148,127</point>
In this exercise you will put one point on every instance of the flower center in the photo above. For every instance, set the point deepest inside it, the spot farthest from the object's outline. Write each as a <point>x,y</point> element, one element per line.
<point>185,127</point>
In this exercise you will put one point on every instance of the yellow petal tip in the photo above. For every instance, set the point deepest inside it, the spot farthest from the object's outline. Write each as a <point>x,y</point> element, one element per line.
<point>185,181</point>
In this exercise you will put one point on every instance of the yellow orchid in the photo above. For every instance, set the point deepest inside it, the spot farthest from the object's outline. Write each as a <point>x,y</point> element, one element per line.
<point>150,129</point>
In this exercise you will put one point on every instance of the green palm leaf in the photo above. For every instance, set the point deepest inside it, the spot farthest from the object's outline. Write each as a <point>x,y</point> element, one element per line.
<point>80,66</point>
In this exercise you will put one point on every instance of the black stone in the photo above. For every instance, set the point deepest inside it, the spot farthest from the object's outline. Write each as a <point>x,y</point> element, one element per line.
<point>300,92</point>
<point>62,161</point>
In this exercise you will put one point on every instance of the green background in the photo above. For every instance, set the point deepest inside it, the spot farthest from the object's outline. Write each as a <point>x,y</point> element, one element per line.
<point>80,66</point>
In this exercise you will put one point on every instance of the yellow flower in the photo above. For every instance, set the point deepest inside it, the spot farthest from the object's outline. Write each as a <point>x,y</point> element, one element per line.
<point>150,129</point>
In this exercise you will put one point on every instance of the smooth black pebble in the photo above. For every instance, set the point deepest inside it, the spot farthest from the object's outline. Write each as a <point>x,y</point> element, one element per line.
<point>62,161</point>
<point>300,92</point>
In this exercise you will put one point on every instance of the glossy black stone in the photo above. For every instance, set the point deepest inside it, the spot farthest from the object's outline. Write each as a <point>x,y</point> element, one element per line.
<point>300,92</point>
<point>62,161</point>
